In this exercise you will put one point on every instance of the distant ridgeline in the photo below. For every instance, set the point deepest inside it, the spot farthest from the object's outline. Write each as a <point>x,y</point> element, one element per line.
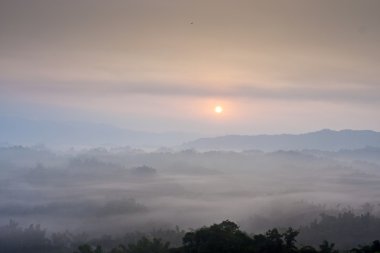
<point>20,131</point>
<point>328,140</point>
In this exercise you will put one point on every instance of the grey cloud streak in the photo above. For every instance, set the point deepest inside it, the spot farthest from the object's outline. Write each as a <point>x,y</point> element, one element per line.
<point>354,94</point>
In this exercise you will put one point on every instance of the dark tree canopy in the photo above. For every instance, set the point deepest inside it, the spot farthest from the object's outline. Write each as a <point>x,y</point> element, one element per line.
<point>225,237</point>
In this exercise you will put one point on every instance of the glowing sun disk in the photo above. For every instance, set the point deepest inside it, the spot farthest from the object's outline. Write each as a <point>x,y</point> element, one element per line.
<point>218,109</point>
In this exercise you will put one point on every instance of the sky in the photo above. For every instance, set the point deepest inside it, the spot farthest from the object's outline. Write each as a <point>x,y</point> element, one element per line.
<point>274,66</point>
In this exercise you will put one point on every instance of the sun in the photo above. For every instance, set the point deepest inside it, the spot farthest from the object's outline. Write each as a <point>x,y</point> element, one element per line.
<point>218,109</point>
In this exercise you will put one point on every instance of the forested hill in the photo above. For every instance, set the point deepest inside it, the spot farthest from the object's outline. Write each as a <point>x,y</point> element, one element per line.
<point>328,140</point>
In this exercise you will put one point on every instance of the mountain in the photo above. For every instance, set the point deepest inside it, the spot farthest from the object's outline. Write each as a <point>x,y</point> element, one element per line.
<point>322,140</point>
<point>23,131</point>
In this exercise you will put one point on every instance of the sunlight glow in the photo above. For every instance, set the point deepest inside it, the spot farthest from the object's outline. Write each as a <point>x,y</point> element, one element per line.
<point>218,109</point>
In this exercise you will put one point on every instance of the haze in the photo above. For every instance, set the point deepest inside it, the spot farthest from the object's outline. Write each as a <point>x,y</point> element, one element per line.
<point>164,65</point>
<point>121,119</point>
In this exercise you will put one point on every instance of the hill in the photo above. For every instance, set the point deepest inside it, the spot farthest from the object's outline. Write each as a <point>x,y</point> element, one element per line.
<point>328,140</point>
<point>21,131</point>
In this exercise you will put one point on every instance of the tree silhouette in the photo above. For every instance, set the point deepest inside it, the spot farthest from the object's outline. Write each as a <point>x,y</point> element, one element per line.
<point>307,249</point>
<point>145,245</point>
<point>223,238</point>
<point>89,249</point>
<point>326,247</point>
<point>374,248</point>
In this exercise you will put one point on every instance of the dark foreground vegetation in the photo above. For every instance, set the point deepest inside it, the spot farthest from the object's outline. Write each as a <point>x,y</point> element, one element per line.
<point>226,237</point>
<point>347,232</point>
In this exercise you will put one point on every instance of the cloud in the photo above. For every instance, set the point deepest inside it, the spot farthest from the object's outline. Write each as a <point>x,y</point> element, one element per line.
<point>114,56</point>
<point>149,47</point>
<point>365,93</point>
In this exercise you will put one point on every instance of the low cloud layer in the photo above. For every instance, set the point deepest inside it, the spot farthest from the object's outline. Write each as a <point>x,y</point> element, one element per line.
<point>119,190</point>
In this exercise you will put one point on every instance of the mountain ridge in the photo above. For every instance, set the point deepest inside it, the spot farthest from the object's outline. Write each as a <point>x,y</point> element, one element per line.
<point>325,139</point>
<point>23,131</point>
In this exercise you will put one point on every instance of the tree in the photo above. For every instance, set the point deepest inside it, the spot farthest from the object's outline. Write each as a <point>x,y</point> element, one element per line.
<point>119,249</point>
<point>225,237</point>
<point>374,248</point>
<point>307,249</point>
<point>290,240</point>
<point>326,247</point>
<point>145,245</point>
<point>89,249</point>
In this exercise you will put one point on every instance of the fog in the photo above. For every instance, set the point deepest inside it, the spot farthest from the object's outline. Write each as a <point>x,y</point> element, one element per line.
<point>120,190</point>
